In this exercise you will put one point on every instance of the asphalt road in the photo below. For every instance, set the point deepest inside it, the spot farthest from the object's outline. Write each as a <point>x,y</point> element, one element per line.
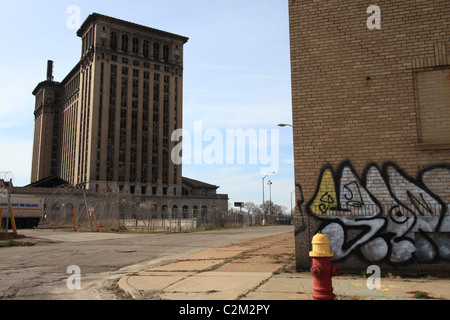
<point>40,272</point>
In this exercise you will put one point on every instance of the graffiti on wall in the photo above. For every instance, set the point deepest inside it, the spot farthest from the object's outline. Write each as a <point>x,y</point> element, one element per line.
<point>384,215</point>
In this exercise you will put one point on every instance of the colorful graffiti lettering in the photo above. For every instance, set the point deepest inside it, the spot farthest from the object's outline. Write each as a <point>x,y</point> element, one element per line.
<point>386,215</point>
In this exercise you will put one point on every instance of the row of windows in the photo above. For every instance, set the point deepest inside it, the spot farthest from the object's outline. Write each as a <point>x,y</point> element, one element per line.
<point>133,46</point>
<point>149,156</point>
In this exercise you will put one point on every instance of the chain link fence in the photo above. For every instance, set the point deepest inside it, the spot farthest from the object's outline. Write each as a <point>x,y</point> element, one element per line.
<point>115,212</point>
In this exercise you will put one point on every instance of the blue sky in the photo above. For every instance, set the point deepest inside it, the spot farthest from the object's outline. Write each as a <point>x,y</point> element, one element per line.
<point>236,76</point>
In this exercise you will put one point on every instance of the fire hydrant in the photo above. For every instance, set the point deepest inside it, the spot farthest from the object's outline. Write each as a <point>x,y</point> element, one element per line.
<point>322,269</point>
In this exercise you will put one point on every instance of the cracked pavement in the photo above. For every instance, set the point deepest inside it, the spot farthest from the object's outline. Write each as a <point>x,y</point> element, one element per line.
<point>39,272</point>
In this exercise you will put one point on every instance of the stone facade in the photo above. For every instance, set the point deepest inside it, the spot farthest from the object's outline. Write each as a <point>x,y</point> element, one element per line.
<point>111,118</point>
<point>108,124</point>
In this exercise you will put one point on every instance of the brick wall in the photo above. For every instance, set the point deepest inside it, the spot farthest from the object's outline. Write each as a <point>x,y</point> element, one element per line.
<point>357,96</point>
<point>338,113</point>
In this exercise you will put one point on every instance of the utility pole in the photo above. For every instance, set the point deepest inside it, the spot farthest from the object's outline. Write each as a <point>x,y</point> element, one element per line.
<point>270,200</point>
<point>264,213</point>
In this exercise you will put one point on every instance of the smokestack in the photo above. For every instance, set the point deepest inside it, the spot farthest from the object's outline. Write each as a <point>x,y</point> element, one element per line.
<point>49,70</point>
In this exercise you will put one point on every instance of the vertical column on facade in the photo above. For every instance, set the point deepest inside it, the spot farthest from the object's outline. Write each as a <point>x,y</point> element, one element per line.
<point>117,122</point>
<point>78,130</point>
<point>34,167</point>
<point>172,53</point>
<point>172,116</point>
<point>119,41</point>
<point>65,146</point>
<point>94,116</point>
<point>37,142</point>
<point>180,116</point>
<point>82,136</point>
<point>90,137</point>
<point>160,128</point>
<point>160,51</point>
<point>105,120</point>
<point>146,97</point>
<point>141,47</point>
<point>129,120</point>
<point>139,151</point>
<point>84,126</point>
<point>154,128</point>
<point>150,49</point>
<point>64,135</point>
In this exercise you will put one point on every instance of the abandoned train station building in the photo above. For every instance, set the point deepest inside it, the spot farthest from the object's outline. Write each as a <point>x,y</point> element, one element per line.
<point>107,126</point>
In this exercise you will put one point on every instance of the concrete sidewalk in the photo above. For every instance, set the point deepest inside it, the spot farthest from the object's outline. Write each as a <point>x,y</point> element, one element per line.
<point>261,269</point>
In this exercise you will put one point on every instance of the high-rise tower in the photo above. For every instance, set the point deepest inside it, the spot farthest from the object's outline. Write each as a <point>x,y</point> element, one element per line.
<point>109,122</point>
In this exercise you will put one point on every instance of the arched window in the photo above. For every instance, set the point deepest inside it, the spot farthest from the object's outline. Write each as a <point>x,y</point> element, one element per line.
<point>135,45</point>
<point>166,53</point>
<point>124,43</point>
<point>56,210</point>
<point>185,212</point>
<point>154,211</point>
<point>113,41</point>
<point>204,214</point>
<point>175,211</point>
<point>156,51</point>
<point>164,212</point>
<point>146,49</point>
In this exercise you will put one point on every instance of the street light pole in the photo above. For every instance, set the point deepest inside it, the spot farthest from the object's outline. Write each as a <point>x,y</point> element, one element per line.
<point>270,200</point>
<point>263,190</point>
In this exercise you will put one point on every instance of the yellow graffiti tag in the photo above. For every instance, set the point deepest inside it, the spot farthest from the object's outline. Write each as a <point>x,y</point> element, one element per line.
<point>325,199</point>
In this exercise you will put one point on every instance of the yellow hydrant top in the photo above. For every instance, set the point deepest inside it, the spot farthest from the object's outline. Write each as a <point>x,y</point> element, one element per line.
<point>320,246</point>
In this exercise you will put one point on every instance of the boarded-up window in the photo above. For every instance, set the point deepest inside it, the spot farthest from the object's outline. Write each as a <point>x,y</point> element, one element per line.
<point>433,107</point>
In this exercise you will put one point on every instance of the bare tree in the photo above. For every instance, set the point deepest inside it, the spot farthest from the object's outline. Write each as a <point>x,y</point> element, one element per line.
<point>249,206</point>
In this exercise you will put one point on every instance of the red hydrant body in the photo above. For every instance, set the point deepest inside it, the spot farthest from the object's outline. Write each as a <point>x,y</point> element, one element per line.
<point>322,269</point>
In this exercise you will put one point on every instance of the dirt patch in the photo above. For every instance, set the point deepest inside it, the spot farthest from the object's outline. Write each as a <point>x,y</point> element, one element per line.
<point>264,255</point>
